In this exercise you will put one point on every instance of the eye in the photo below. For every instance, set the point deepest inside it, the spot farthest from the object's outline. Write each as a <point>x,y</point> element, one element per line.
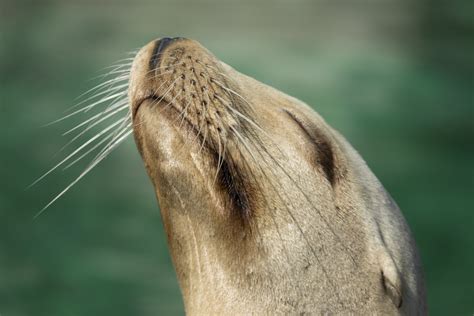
<point>323,153</point>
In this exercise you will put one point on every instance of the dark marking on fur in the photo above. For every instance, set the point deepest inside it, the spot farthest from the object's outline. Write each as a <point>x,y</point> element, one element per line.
<point>230,179</point>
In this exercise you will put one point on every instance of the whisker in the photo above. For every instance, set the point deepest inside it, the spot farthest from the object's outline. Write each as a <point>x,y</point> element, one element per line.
<point>121,105</point>
<point>74,153</point>
<point>121,62</point>
<point>88,151</point>
<point>89,168</point>
<point>125,123</point>
<point>111,96</point>
<point>104,99</point>
<point>91,126</point>
<point>115,68</point>
<point>231,91</point>
<point>112,91</point>
<point>88,107</point>
<point>106,91</point>
<point>101,85</point>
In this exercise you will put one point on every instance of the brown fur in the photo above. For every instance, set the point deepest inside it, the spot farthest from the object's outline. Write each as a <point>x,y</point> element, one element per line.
<point>267,209</point>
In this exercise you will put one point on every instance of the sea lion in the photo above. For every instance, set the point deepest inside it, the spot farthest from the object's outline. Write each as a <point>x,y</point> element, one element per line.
<point>267,209</point>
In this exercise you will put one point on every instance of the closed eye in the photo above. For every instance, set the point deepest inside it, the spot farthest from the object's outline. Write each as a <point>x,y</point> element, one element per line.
<point>324,155</point>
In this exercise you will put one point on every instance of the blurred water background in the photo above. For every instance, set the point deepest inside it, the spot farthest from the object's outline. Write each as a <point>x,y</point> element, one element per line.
<point>395,77</point>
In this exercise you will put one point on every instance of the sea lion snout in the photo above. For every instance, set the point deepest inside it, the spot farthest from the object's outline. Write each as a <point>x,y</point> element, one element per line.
<point>190,87</point>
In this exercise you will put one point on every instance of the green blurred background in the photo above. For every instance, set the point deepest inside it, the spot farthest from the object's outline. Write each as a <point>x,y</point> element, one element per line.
<point>395,77</point>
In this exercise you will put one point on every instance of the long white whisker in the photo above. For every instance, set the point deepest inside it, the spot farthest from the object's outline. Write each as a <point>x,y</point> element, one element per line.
<point>125,123</point>
<point>121,62</point>
<point>115,68</point>
<point>121,105</point>
<point>89,150</point>
<point>103,85</point>
<point>230,90</point>
<point>91,126</point>
<point>238,113</point>
<point>104,99</point>
<point>88,107</point>
<point>73,153</point>
<point>116,135</point>
<point>105,91</point>
<point>89,168</point>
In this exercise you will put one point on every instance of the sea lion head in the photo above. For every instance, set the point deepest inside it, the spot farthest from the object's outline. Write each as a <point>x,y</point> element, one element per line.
<point>265,206</point>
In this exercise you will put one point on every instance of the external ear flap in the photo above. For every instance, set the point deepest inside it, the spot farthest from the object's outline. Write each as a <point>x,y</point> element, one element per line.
<point>391,280</point>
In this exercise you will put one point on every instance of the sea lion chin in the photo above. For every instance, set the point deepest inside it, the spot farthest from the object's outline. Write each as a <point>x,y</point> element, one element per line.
<point>267,209</point>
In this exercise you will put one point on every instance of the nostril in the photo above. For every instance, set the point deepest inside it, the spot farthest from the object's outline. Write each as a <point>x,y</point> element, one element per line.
<point>160,46</point>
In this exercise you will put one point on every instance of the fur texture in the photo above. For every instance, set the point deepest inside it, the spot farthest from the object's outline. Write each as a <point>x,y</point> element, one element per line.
<point>267,209</point>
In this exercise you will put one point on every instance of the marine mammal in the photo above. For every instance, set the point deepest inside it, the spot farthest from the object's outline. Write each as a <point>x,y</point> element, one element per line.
<point>267,209</point>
